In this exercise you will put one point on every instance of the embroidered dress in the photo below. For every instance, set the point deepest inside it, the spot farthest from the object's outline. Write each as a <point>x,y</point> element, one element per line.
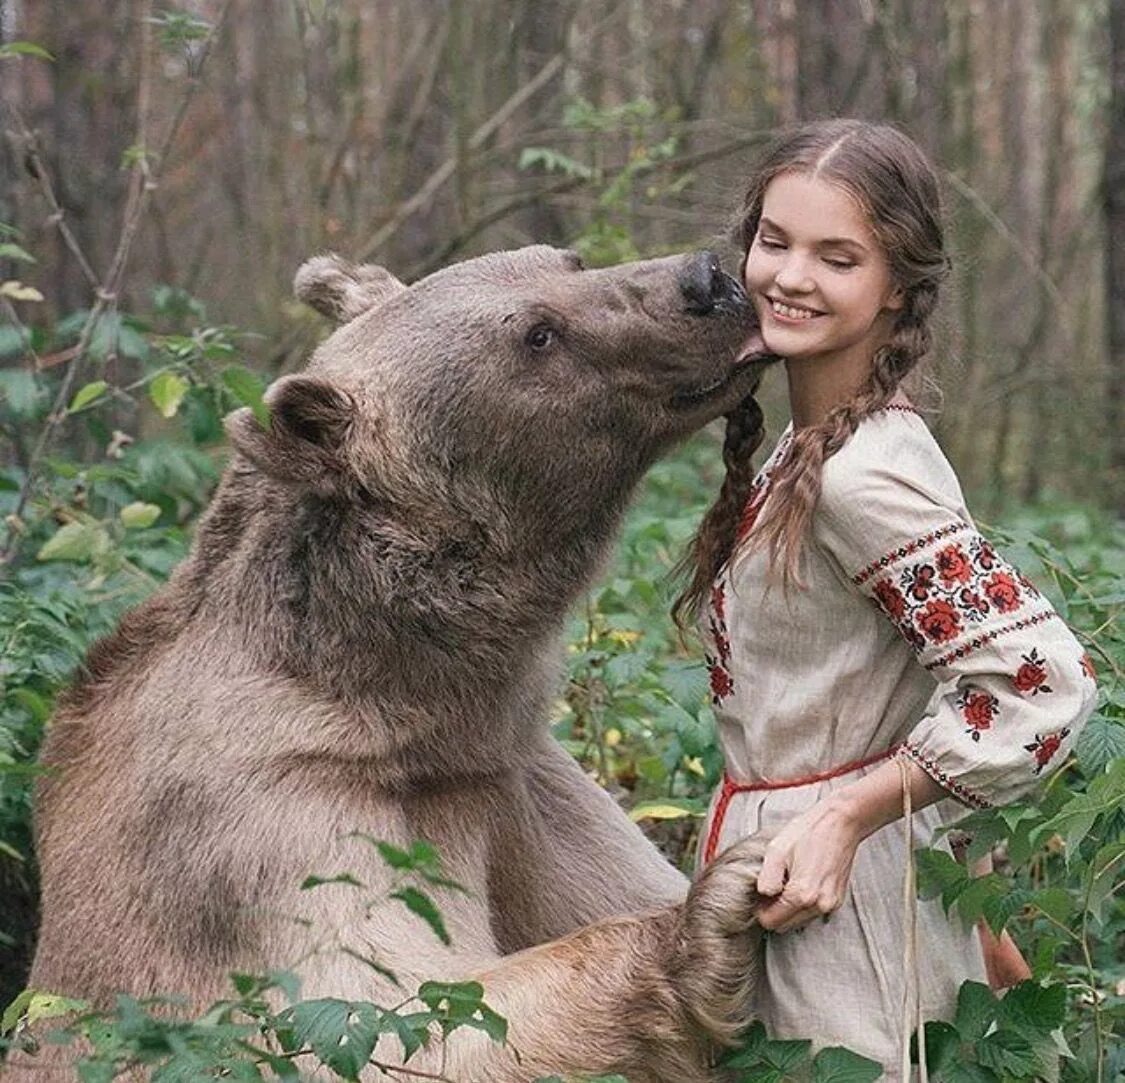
<point>912,634</point>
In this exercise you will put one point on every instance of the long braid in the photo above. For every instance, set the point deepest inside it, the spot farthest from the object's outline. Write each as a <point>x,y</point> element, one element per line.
<point>714,542</point>
<point>795,485</point>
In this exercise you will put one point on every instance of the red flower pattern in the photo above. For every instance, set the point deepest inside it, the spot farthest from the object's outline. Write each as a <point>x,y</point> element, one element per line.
<point>1045,746</point>
<point>979,710</point>
<point>1031,677</point>
<point>890,599</point>
<point>1002,591</point>
<point>939,621</point>
<point>953,565</point>
<point>722,684</point>
<point>1087,664</point>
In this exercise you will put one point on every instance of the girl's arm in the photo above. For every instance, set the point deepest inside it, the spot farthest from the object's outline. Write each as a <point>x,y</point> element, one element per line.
<point>808,863</point>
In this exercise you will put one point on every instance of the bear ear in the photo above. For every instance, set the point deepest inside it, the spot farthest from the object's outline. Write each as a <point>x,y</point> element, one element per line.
<point>341,290</point>
<point>304,440</point>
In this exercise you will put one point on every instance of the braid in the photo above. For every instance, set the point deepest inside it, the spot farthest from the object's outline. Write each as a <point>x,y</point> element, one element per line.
<point>714,542</point>
<point>795,485</point>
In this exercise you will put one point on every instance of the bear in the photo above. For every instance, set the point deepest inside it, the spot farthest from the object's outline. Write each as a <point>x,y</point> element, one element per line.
<point>364,643</point>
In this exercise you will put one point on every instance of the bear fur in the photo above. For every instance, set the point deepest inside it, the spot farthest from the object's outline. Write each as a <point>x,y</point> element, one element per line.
<point>364,643</point>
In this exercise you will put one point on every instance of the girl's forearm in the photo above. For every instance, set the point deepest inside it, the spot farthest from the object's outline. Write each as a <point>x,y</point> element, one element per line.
<point>876,799</point>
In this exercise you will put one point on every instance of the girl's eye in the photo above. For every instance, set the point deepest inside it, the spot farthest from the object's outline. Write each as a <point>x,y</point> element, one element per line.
<point>840,264</point>
<point>541,336</point>
<point>770,244</point>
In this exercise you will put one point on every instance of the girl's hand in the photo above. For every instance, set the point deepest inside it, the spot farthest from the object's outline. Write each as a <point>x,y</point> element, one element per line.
<point>807,866</point>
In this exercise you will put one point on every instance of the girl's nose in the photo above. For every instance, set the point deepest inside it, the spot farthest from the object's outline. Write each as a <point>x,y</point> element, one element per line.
<point>793,275</point>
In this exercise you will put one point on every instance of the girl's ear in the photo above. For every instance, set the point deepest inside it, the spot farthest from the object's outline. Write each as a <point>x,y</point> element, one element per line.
<point>896,300</point>
<point>304,440</point>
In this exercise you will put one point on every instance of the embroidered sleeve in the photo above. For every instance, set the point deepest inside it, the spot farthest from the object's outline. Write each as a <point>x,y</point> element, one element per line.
<point>1019,686</point>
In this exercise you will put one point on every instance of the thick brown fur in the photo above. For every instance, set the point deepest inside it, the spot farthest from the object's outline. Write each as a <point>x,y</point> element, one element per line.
<point>365,638</point>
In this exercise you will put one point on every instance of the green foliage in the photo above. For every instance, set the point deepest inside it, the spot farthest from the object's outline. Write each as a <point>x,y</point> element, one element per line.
<point>607,237</point>
<point>246,1036</point>
<point>761,1059</point>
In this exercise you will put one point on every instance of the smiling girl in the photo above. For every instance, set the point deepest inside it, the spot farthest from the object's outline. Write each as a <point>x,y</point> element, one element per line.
<point>855,619</point>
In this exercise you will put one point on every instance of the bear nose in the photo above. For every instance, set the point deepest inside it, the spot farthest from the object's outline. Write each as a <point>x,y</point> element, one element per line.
<point>704,283</point>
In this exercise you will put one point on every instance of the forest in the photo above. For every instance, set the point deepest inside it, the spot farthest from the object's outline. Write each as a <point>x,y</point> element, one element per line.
<point>164,170</point>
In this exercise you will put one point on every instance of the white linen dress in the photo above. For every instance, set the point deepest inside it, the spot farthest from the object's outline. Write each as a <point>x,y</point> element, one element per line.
<point>913,633</point>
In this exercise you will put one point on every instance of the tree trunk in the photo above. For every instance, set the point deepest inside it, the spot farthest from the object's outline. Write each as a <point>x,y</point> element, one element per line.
<point>1114,198</point>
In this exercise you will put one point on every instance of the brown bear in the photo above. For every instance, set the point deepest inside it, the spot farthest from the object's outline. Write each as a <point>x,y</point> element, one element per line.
<point>364,643</point>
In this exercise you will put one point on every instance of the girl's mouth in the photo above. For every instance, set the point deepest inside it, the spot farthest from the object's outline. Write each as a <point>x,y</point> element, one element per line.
<point>790,313</point>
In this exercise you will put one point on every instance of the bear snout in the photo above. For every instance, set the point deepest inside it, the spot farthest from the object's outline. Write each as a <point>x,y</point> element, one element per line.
<point>706,286</point>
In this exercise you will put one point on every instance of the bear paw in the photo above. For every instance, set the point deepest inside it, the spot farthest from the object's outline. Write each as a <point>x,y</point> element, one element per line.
<point>716,961</point>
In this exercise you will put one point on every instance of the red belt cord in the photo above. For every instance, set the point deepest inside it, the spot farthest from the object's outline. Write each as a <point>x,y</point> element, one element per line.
<point>730,787</point>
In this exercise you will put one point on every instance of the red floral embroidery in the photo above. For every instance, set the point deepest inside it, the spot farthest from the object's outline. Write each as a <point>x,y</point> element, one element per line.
<point>890,599</point>
<point>1031,677</point>
<point>721,683</point>
<point>719,602</point>
<point>1003,592</point>
<point>939,621</point>
<point>941,598</point>
<point>1044,747</point>
<point>979,711</point>
<point>953,565</point>
<point>1087,664</point>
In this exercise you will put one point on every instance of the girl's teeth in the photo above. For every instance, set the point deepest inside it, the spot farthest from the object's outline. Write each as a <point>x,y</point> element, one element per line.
<point>791,313</point>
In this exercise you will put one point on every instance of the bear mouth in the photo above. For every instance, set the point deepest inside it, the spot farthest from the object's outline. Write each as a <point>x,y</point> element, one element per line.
<point>752,354</point>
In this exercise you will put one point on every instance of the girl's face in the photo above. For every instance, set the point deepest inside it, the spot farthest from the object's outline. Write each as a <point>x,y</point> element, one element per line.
<point>818,276</point>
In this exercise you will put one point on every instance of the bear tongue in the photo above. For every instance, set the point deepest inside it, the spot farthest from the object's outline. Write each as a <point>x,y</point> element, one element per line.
<point>753,348</point>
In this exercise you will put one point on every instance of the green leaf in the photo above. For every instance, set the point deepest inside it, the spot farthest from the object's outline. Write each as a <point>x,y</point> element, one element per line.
<point>668,808</point>
<point>941,874</point>
<point>339,878</point>
<point>1104,872</point>
<point>981,893</point>
<point>20,389</point>
<point>34,1006</point>
<point>419,903</point>
<point>457,1004</point>
<point>835,1064</point>
<point>13,251</point>
<point>247,388</point>
<point>1101,741</point>
<point>139,515</point>
<point>1055,902</point>
<point>23,48</point>
<point>1008,1053</point>
<point>785,1054</point>
<point>1030,1004</point>
<point>341,1033</point>
<point>411,1030</point>
<point>942,1045</point>
<point>976,1010</point>
<point>86,395</point>
<point>76,541</point>
<point>167,391</point>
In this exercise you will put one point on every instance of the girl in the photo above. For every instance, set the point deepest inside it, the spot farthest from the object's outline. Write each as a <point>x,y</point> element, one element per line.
<point>855,620</point>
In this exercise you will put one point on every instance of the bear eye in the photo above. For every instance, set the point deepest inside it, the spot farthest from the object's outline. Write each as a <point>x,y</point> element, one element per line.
<point>541,336</point>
